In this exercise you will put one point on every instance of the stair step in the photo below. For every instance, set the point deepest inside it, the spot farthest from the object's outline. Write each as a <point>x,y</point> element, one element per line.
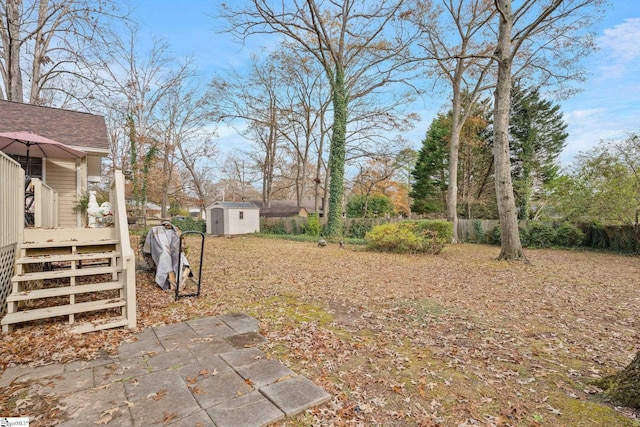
<point>63,291</point>
<point>61,310</point>
<point>68,248</point>
<point>112,322</point>
<point>60,274</point>
<point>65,243</point>
<point>66,257</point>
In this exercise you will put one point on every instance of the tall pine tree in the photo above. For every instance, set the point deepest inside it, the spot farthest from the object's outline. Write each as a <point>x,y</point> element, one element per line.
<point>538,136</point>
<point>430,172</point>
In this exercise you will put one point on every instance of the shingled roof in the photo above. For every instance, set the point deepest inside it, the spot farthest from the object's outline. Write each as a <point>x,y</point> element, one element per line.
<point>68,127</point>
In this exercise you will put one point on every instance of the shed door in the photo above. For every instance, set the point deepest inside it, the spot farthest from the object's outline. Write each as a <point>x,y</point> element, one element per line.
<point>217,221</point>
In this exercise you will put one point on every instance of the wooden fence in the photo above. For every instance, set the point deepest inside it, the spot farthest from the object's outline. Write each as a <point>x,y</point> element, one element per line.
<point>476,230</point>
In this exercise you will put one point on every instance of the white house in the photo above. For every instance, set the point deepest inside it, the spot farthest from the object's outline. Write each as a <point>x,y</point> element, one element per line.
<point>227,218</point>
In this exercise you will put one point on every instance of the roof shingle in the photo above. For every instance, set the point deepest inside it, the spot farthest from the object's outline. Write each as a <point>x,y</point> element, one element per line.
<point>68,127</point>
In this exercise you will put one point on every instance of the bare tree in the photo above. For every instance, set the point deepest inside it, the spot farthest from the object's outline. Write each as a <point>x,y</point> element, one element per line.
<point>353,41</point>
<point>185,140</point>
<point>255,101</point>
<point>458,43</point>
<point>47,48</point>
<point>238,180</point>
<point>547,38</point>
<point>139,82</point>
<point>309,100</point>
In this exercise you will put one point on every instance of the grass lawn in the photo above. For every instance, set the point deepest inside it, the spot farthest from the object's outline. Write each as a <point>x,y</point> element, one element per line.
<point>456,339</point>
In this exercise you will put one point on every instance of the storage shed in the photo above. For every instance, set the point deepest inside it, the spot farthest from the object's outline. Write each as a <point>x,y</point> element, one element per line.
<point>227,218</point>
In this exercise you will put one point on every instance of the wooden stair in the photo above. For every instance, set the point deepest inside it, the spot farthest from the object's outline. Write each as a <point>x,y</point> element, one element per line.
<point>69,278</point>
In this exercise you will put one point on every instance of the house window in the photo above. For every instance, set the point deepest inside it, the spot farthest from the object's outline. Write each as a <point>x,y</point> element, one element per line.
<point>241,215</point>
<point>35,165</point>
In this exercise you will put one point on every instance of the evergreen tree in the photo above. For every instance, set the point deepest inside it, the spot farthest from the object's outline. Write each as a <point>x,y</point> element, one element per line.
<point>429,173</point>
<point>538,136</point>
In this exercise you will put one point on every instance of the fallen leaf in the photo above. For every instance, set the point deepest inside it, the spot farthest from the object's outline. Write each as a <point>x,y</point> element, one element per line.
<point>157,395</point>
<point>168,417</point>
<point>104,420</point>
<point>111,411</point>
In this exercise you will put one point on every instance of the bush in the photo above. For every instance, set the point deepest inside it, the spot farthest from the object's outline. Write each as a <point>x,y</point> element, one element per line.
<point>275,228</point>
<point>188,223</point>
<point>478,234</point>
<point>313,227</point>
<point>540,235</point>
<point>568,235</point>
<point>358,228</point>
<point>524,235</point>
<point>423,236</point>
<point>495,238</point>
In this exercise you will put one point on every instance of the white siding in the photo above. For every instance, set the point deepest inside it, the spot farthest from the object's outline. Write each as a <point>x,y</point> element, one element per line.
<point>250,222</point>
<point>226,219</point>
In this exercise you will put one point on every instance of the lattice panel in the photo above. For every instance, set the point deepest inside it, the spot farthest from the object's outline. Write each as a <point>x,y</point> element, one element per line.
<point>7,260</point>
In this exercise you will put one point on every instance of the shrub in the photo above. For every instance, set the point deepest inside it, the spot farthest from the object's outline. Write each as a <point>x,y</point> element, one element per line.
<point>313,227</point>
<point>188,223</point>
<point>275,228</point>
<point>478,234</point>
<point>358,228</point>
<point>568,235</point>
<point>495,238</point>
<point>540,235</point>
<point>423,236</point>
<point>524,235</point>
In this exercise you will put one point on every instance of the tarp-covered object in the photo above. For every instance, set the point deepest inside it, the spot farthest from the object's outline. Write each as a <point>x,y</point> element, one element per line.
<point>163,244</point>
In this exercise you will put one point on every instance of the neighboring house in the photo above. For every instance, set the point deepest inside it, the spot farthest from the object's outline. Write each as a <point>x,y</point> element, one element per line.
<point>281,209</point>
<point>228,218</point>
<point>70,178</point>
<point>195,213</point>
<point>153,210</point>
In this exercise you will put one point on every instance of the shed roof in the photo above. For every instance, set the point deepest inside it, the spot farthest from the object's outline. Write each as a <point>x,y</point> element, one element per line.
<point>235,205</point>
<point>68,127</point>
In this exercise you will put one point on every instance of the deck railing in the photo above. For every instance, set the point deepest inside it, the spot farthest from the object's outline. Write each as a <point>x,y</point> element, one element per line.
<point>11,220</point>
<point>46,213</point>
<point>119,211</point>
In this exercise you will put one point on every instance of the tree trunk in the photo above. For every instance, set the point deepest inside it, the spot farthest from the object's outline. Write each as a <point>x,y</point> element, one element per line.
<point>623,388</point>
<point>14,78</point>
<point>454,143</point>
<point>39,52</point>
<point>337,155</point>
<point>511,247</point>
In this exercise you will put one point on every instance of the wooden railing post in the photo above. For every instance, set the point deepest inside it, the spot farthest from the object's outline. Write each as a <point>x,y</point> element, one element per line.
<point>119,210</point>
<point>45,213</point>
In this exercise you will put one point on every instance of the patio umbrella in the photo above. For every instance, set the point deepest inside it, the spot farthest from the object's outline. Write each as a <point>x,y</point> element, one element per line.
<point>29,144</point>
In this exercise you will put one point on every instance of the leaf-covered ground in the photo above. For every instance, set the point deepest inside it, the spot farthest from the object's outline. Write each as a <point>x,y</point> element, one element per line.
<point>456,339</point>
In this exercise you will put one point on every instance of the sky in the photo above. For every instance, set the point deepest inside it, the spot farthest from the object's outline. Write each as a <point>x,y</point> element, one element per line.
<point>606,109</point>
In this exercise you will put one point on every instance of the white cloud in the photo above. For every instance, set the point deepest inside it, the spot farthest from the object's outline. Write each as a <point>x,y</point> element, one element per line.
<point>621,41</point>
<point>589,127</point>
<point>620,49</point>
